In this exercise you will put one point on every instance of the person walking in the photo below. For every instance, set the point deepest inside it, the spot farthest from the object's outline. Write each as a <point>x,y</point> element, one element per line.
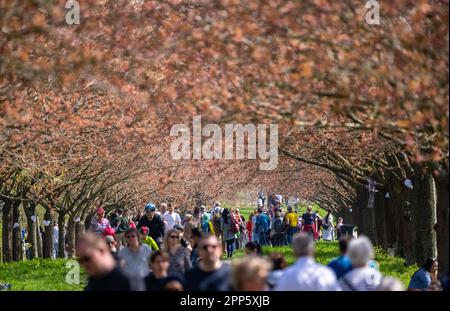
<point>278,230</point>
<point>135,257</point>
<point>99,223</point>
<point>328,227</point>
<point>171,218</point>
<point>361,277</point>
<point>211,274</point>
<point>342,264</point>
<point>291,219</point>
<point>309,222</point>
<point>154,223</point>
<point>305,274</point>
<point>104,273</point>
<point>179,256</point>
<point>120,225</point>
<point>229,230</point>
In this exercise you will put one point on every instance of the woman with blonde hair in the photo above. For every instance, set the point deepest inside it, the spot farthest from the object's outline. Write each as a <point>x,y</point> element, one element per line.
<point>179,256</point>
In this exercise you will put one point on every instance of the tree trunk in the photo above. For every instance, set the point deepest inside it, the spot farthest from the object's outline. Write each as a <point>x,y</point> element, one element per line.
<point>61,236</point>
<point>30,211</point>
<point>6,231</point>
<point>442,211</point>
<point>424,217</point>
<point>71,227</point>
<point>48,237</point>
<point>39,237</point>
<point>79,230</point>
<point>16,234</point>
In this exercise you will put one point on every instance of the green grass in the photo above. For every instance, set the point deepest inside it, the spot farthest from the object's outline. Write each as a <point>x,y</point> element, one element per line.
<point>39,274</point>
<point>326,251</point>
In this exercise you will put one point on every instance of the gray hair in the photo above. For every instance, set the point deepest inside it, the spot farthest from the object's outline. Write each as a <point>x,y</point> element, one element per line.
<point>360,251</point>
<point>390,284</point>
<point>303,244</point>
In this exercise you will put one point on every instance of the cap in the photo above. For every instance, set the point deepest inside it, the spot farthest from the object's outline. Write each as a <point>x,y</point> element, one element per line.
<point>144,229</point>
<point>109,232</point>
<point>150,207</point>
<point>100,210</point>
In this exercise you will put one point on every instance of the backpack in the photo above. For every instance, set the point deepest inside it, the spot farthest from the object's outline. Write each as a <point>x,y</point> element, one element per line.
<point>278,225</point>
<point>234,225</point>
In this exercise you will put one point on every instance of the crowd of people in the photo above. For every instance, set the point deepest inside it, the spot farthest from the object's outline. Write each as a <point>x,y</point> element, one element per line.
<point>162,250</point>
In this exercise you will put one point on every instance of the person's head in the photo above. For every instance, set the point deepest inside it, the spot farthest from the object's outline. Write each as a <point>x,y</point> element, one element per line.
<point>260,211</point>
<point>329,212</point>
<point>188,217</point>
<point>237,211</point>
<point>173,284</point>
<point>309,209</point>
<point>132,237</point>
<point>225,214</point>
<point>289,209</point>
<point>172,239</point>
<point>109,231</point>
<point>390,284</point>
<point>119,212</point>
<point>94,255</point>
<point>343,244</point>
<point>144,230</point>
<point>303,244</point>
<point>360,251</point>
<point>202,208</point>
<point>159,263</point>
<point>277,214</point>
<point>100,212</point>
<point>250,273</point>
<point>180,229</point>
<point>209,249</point>
<point>150,210</point>
<point>252,248</point>
<point>111,243</point>
<point>170,208</point>
<point>163,207</point>
<point>430,264</point>
<point>195,236</point>
<point>340,220</point>
<point>278,261</point>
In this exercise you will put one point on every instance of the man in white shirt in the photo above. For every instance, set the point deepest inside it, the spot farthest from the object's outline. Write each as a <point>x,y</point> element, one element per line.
<point>306,274</point>
<point>171,218</point>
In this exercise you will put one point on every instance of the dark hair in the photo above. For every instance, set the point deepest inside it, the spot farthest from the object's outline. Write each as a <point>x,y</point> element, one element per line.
<point>278,261</point>
<point>195,232</point>
<point>255,247</point>
<point>225,215</point>
<point>157,254</point>
<point>428,263</point>
<point>260,211</point>
<point>119,212</point>
<point>343,243</point>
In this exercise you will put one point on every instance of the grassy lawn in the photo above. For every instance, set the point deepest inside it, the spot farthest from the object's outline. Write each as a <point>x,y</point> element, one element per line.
<point>39,274</point>
<point>326,251</point>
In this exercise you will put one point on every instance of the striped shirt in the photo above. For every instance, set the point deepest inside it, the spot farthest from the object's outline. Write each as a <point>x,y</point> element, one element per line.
<point>361,279</point>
